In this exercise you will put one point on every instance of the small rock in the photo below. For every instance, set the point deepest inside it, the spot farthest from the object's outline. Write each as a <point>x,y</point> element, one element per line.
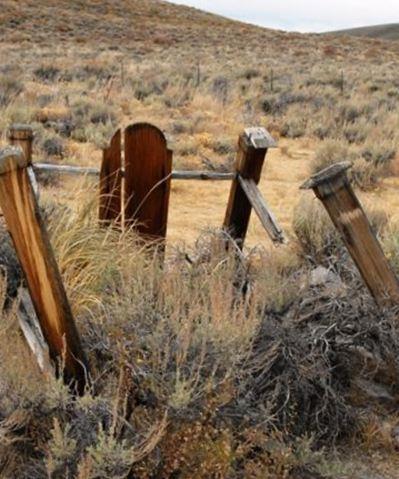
<point>320,276</point>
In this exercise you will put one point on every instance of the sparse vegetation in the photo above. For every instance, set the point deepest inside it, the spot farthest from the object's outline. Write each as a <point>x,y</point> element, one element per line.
<point>277,365</point>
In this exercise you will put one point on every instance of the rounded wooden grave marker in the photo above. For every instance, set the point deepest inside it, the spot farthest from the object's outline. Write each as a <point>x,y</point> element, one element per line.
<point>148,168</point>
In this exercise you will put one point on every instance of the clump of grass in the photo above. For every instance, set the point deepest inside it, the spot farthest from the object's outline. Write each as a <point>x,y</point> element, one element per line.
<point>53,146</point>
<point>10,88</point>
<point>315,232</point>
<point>47,73</point>
<point>94,122</point>
<point>379,154</point>
<point>391,244</point>
<point>369,166</point>
<point>330,152</point>
<point>318,236</point>
<point>94,112</point>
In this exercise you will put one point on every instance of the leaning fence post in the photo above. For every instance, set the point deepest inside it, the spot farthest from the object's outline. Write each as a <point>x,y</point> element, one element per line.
<point>253,145</point>
<point>22,135</point>
<point>333,188</point>
<point>35,254</point>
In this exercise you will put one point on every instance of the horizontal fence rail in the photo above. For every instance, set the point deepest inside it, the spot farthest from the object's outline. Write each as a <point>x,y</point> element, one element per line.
<point>71,170</point>
<point>92,171</point>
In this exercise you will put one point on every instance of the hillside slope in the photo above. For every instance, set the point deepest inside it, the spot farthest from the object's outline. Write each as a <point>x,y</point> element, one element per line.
<point>144,27</point>
<point>384,32</point>
<point>130,23</point>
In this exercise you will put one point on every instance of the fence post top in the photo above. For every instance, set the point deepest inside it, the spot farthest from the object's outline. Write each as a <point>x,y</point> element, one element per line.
<point>333,172</point>
<point>12,158</point>
<point>259,138</point>
<point>20,131</point>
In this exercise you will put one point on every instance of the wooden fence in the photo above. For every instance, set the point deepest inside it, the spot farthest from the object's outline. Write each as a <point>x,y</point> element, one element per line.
<point>134,189</point>
<point>136,175</point>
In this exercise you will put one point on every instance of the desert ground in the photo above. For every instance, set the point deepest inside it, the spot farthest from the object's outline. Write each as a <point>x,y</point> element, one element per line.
<point>193,377</point>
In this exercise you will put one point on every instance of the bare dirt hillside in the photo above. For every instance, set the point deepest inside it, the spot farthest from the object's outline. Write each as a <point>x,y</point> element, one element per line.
<point>384,32</point>
<point>142,27</point>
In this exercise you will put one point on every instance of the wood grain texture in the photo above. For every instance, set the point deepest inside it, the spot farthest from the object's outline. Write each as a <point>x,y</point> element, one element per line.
<point>30,326</point>
<point>176,174</point>
<point>249,163</point>
<point>111,182</point>
<point>262,210</point>
<point>148,168</point>
<point>349,218</point>
<point>36,257</point>
<point>67,169</point>
<point>22,135</point>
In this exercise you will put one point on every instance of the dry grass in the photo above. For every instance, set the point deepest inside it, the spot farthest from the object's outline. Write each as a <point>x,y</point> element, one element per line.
<point>208,368</point>
<point>199,366</point>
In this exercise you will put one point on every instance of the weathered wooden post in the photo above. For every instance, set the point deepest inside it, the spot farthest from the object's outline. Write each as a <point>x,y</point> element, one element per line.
<point>333,188</point>
<point>22,135</point>
<point>111,182</point>
<point>35,254</point>
<point>253,145</point>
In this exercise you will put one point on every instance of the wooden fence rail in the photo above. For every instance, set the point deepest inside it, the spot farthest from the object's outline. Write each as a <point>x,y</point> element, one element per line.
<point>93,171</point>
<point>262,210</point>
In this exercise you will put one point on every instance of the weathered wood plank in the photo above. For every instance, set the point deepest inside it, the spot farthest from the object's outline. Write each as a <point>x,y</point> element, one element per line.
<point>67,169</point>
<point>261,209</point>
<point>165,209</point>
<point>30,327</point>
<point>37,260</point>
<point>22,135</point>
<point>110,208</point>
<point>147,180</point>
<point>253,145</point>
<point>176,174</point>
<point>333,188</point>
<point>202,175</point>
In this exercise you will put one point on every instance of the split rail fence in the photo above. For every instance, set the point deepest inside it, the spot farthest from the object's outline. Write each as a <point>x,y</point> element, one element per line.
<point>134,189</point>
